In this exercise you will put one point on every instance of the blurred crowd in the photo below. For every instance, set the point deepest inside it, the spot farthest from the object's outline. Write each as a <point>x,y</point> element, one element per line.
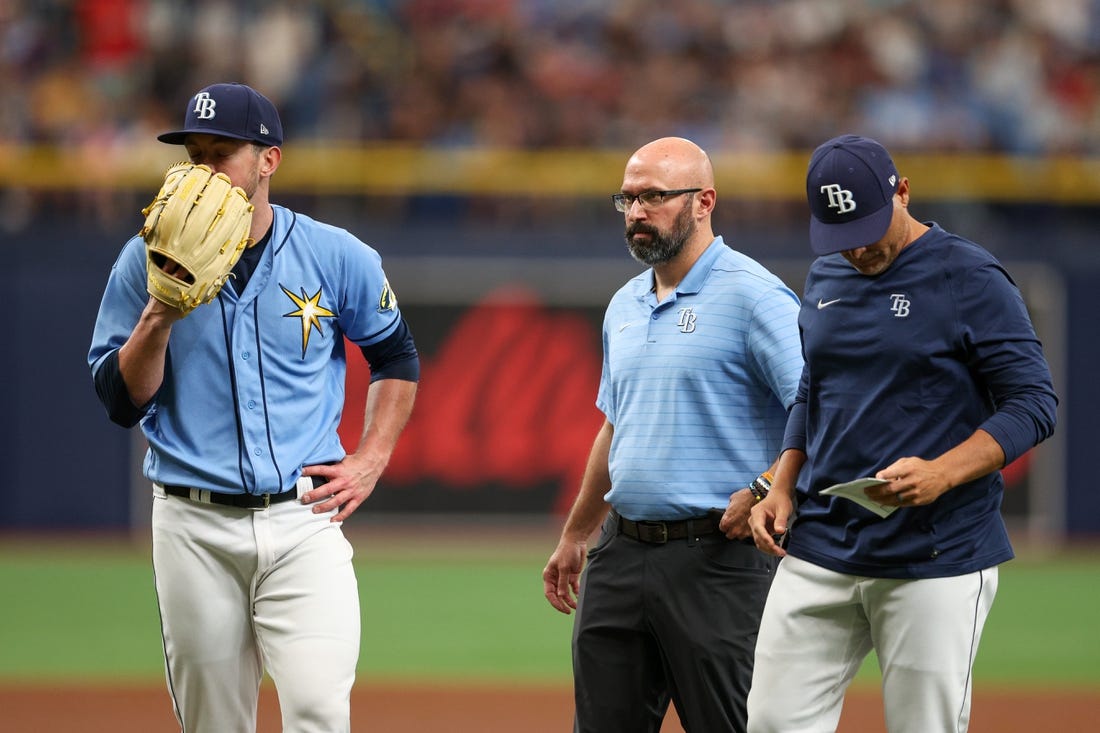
<point>988,75</point>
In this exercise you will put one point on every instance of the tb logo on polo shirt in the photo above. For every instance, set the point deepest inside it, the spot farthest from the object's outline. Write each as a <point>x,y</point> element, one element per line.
<point>687,320</point>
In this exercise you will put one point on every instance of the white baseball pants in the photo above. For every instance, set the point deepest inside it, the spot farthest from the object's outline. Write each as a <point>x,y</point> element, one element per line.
<point>819,625</point>
<point>244,591</point>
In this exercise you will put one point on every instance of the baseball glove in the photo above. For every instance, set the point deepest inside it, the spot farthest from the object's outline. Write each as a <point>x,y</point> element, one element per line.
<point>195,231</point>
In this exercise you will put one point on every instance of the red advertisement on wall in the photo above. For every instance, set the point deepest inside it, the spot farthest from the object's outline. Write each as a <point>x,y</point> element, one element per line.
<point>505,413</point>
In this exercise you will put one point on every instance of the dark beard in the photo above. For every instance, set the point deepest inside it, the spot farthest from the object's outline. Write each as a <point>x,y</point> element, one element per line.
<point>661,248</point>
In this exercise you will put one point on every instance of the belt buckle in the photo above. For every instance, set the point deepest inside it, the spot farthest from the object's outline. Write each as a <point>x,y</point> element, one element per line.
<point>662,532</point>
<point>267,500</point>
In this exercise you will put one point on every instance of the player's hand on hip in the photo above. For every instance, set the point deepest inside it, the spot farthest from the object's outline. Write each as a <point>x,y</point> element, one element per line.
<point>561,578</point>
<point>735,520</point>
<point>768,522</point>
<point>348,485</point>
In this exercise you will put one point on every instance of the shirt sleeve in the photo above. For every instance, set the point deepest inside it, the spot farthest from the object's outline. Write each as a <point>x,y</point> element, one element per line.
<point>795,434</point>
<point>120,308</point>
<point>774,342</point>
<point>1006,355</point>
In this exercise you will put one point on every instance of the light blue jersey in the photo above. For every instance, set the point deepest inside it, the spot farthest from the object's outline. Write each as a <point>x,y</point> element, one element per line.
<point>254,384</point>
<point>698,386</point>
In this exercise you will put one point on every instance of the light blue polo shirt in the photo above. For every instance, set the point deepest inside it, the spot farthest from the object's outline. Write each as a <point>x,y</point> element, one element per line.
<point>698,386</point>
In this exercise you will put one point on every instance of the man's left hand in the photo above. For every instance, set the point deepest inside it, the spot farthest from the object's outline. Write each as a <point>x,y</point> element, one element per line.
<point>735,520</point>
<point>348,485</point>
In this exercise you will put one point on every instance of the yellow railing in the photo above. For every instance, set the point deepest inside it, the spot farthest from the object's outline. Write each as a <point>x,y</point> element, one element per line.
<point>355,169</point>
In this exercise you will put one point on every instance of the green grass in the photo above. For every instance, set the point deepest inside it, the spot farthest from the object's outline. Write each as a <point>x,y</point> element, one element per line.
<point>1043,623</point>
<point>78,614</point>
<point>461,620</point>
<point>465,614</point>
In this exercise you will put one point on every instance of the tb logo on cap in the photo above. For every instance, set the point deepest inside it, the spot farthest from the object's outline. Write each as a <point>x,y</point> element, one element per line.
<point>205,104</point>
<point>839,198</point>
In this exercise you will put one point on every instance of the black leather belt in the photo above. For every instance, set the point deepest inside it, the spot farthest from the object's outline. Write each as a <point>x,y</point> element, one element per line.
<point>242,501</point>
<point>658,533</point>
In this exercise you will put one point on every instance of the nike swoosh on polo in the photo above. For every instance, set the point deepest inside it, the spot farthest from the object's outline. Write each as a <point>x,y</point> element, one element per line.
<point>825,304</point>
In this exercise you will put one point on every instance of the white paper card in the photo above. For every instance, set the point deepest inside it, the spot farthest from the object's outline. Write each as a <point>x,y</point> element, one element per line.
<point>853,491</point>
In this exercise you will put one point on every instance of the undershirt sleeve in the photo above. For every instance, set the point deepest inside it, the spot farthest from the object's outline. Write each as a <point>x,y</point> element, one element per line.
<point>112,392</point>
<point>394,357</point>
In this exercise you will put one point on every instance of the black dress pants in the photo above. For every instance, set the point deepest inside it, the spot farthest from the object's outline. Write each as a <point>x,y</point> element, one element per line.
<point>659,622</point>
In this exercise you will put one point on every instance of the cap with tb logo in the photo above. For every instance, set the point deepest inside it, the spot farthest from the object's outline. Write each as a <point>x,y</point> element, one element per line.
<point>850,185</point>
<point>230,110</point>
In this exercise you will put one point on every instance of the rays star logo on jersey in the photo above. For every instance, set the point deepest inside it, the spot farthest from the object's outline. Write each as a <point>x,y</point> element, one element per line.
<point>310,311</point>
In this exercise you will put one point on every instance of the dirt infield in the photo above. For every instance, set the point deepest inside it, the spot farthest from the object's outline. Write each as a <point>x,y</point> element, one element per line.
<point>482,709</point>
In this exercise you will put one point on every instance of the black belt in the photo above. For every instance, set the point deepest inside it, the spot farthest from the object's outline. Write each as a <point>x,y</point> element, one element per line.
<point>242,501</point>
<point>658,533</point>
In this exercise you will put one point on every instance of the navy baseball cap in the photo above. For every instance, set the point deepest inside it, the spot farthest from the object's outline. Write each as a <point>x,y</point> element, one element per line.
<point>230,110</point>
<point>850,186</point>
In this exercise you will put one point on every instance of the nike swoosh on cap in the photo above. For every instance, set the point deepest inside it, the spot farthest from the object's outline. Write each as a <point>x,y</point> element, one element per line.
<point>825,304</point>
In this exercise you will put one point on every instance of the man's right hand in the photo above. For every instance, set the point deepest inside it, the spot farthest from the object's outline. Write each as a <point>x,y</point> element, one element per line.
<point>561,578</point>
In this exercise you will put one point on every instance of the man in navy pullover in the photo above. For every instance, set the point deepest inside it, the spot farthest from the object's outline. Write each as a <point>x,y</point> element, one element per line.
<point>921,368</point>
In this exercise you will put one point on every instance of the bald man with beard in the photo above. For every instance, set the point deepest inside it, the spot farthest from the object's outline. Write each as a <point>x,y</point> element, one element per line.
<point>701,363</point>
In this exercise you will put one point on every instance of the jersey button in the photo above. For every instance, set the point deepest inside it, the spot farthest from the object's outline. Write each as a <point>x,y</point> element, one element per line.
<point>252,404</point>
<point>246,355</point>
<point>257,451</point>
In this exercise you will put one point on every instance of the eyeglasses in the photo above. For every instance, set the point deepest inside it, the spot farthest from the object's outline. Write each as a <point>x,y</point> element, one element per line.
<point>648,199</point>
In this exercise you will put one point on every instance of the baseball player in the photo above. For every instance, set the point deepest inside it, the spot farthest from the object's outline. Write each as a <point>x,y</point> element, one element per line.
<point>700,363</point>
<point>239,399</point>
<point>923,370</point>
